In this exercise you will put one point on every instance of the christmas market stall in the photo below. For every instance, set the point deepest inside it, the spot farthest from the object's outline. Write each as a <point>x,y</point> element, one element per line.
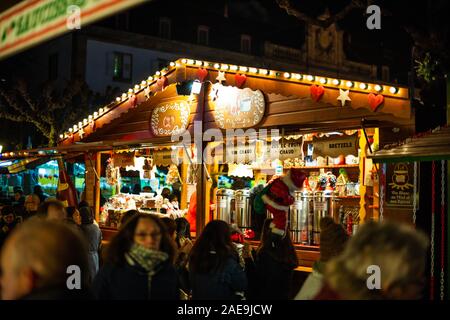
<point>215,134</point>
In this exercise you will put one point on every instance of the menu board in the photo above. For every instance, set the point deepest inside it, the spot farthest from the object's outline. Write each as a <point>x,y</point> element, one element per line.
<point>400,185</point>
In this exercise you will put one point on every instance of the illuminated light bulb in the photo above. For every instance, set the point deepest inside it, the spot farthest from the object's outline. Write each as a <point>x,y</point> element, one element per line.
<point>158,73</point>
<point>124,96</point>
<point>70,130</point>
<point>172,64</point>
<point>378,88</point>
<point>85,121</point>
<point>75,127</point>
<point>253,70</point>
<point>190,61</point>
<point>225,67</point>
<point>118,99</point>
<point>264,71</point>
<point>90,117</point>
<point>184,61</point>
<point>310,78</point>
<point>287,75</point>
<point>217,66</point>
<point>363,86</point>
<point>234,68</point>
<point>243,69</point>
<point>393,90</point>
<point>150,78</point>
<point>323,80</point>
<point>80,124</point>
<point>297,76</point>
<point>95,114</point>
<point>349,84</point>
<point>199,63</point>
<point>130,91</point>
<point>100,111</point>
<point>136,87</point>
<point>61,136</point>
<point>143,83</point>
<point>336,82</point>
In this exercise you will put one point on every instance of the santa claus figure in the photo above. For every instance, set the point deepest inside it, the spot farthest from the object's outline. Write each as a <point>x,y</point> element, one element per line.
<point>277,197</point>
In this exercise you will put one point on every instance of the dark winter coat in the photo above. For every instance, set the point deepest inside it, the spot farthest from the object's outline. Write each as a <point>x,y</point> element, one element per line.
<point>220,285</point>
<point>126,282</point>
<point>93,235</point>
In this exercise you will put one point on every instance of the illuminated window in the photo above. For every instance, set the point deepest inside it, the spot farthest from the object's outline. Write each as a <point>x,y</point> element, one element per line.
<point>122,67</point>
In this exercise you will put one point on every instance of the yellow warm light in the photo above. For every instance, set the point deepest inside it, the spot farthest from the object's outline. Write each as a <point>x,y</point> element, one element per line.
<point>393,90</point>
<point>199,63</point>
<point>234,68</point>
<point>297,76</point>
<point>310,78</point>
<point>225,67</point>
<point>243,69</point>
<point>323,80</point>
<point>190,61</point>
<point>118,99</point>
<point>349,84</point>
<point>287,75</point>
<point>217,66</point>
<point>363,86</point>
<point>172,64</point>
<point>378,88</point>
<point>336,82</point>
<point>184,61</point>
<point>264,71</point>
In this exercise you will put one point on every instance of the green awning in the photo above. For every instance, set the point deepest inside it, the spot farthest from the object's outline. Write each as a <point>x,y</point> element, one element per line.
<point>431,146</point>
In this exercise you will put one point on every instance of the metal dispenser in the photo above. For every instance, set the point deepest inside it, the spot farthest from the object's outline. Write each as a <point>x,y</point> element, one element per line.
<point>323,203</point>
<point>299,216</point>
<point>225,205</point>
<point>243,209</point>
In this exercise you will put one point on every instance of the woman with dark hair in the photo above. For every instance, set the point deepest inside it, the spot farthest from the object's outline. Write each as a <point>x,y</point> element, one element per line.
<point>171,227</point>
<point>37,190</point>
<point>214,269</point>
<point>93,235</point>
<point>139,263</point>
<point>127,215</point>
<point>275,262</point>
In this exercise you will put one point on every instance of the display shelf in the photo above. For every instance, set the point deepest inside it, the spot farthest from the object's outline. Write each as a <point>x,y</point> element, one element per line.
<point>313,167</point>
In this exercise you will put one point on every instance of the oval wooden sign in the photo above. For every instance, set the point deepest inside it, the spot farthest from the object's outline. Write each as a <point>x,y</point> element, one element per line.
<point>236,108</point>
<point>170,118</point>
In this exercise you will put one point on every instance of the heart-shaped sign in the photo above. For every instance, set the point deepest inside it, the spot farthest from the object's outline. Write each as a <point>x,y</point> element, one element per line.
<point>202,73</point>
<point>240,79</point>
<point>375,101</point>
<point>162,83</point>
<point>316,92</point>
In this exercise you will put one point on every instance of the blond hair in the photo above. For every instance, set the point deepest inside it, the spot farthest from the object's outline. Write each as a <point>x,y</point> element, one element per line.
<point>397,249</point>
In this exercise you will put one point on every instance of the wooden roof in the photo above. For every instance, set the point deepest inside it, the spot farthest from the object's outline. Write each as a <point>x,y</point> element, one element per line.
<point>430,146</point>
<point>288,103</point>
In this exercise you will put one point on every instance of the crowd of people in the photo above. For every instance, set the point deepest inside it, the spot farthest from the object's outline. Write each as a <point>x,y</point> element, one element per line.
<point>153,258</point>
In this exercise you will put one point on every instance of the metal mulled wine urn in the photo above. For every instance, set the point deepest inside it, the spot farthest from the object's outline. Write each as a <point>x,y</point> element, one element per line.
<point>323,203</point>
<point>300,212</point>
<point>243,209</point>
<point>225,205</point>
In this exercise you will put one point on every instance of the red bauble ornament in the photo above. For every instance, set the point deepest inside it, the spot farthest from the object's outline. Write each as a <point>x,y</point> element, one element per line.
<point>202,73</point>
<point>240,79</point>
<point>316,92</point>
<point>375,101</point>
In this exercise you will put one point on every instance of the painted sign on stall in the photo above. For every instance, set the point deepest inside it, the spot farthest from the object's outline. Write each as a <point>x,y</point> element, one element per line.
<point>236,108</point>
<point>400,185</point>
<point>33,21</point>
<point>334,147</point>
<point>170,118</point>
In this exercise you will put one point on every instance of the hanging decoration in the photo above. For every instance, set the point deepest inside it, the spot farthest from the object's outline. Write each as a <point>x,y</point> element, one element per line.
<point>442,265</point>
<point>433,199</point>
<point>202,73</point>
<point>316,92</point>
<point>147,167</point>
<point>221,77</point>
<point>81,133</point>
<point>133,101</point>
<point>147,92</point>
<point>375,101</point>
<point>172,175</point>
<point>240,79</point>
<point>162,83</point>
<point>112,174</point>
<point>343,96</point>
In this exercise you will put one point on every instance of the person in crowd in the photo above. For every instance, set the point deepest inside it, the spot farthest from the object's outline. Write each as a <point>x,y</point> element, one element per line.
<point>139,263</point>
<point>332,242</point>
<point>32,203</point>
<point>19,197</point>
<point>191,214</point>
<point>147,189</point>
<point>165,193</point>
<point>82,204</point>
<point>8,222</point>
<point>273,270</point>
<point>171,227</point>
<point>173,199</point>
<point>136,189</point>
<point>73,216</point>
<point>93,235</point>
<point>214,269</point>
<point>126,216</point>
<point>398,252</point>
<point>40,193</point>
<point>52,210</point>
<point>38,270</point>
<point>184,244</point>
